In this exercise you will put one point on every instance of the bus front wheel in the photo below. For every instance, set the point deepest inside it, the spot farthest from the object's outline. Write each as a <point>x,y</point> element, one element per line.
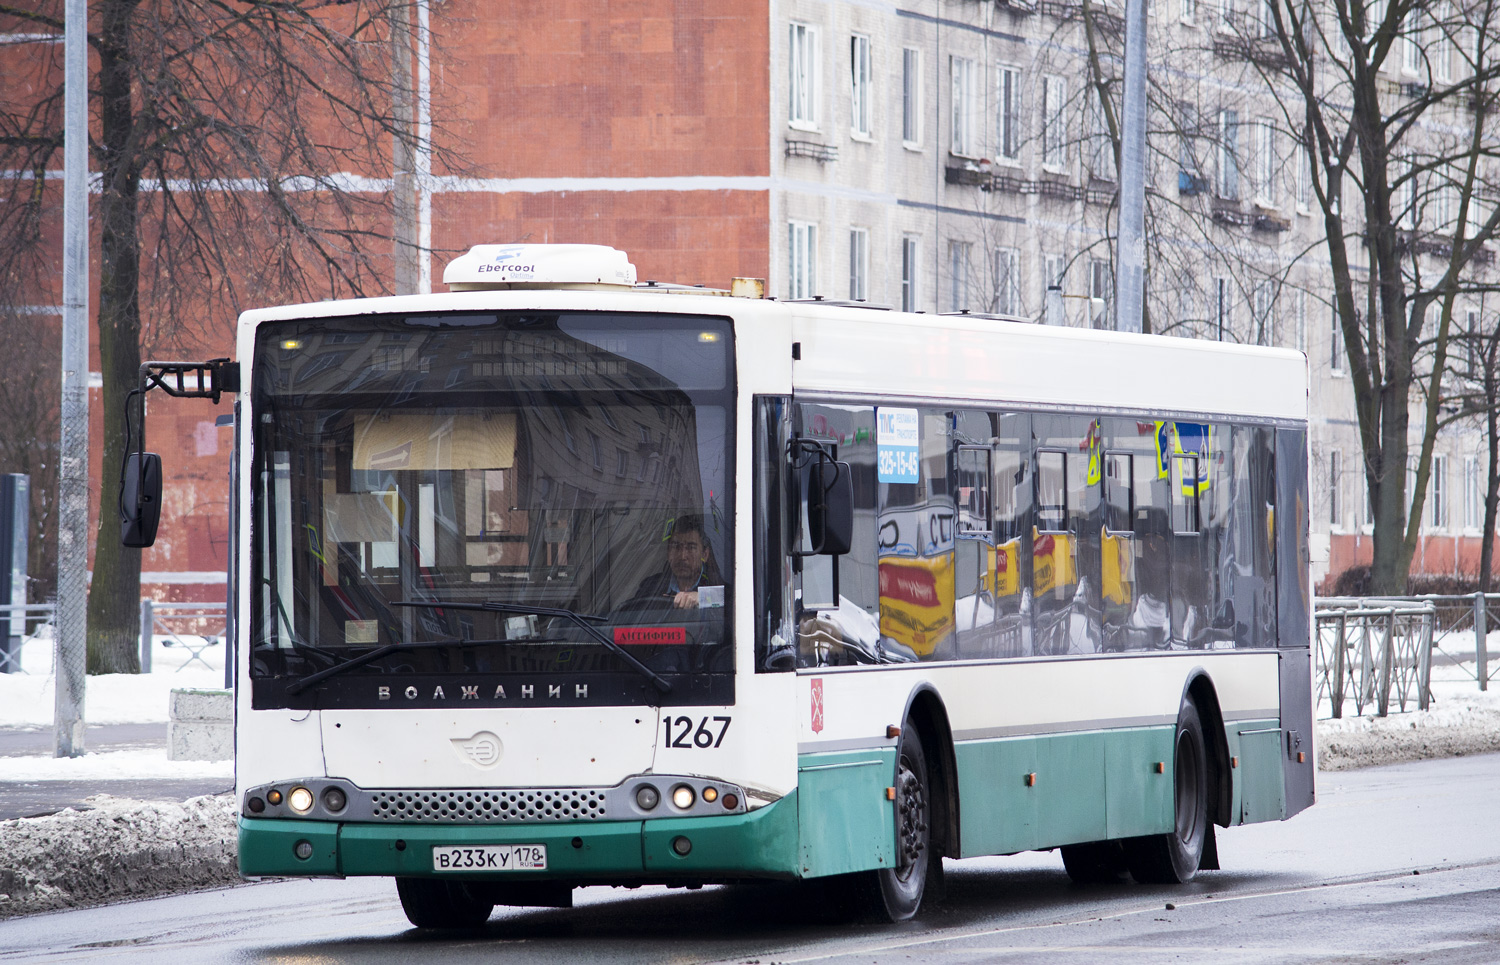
<point>435,903</point>
<point>894,894</point>
<point>1173,858</point>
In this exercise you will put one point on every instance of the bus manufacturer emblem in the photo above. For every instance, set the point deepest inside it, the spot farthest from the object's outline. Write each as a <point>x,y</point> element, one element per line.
<point>481,750</point>
<point>817,705</point>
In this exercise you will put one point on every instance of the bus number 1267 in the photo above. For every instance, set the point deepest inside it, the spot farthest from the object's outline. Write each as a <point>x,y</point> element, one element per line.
<point>703,736</point>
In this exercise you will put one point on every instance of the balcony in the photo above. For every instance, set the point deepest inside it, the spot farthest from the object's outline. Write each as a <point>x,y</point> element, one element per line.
<point>822,153</point>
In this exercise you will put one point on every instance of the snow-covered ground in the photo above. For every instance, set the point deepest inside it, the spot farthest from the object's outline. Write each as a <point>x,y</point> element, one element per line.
<point>26,702</point>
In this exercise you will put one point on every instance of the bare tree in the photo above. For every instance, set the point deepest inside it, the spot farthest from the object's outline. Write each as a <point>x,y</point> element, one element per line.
<point>1395,103</point>
<point>28,411</point>
<point>240,150</point>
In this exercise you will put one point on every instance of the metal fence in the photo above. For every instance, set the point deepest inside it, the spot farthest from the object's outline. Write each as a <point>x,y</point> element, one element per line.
<point>195,627</point>
<point>1453,650</point>
<point>31,617</point>
<point>1372,651</point>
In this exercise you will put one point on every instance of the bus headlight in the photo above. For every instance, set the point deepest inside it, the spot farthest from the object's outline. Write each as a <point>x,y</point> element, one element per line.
<point>301,800</point>
<point>647,797</point>
<point>683,796</point>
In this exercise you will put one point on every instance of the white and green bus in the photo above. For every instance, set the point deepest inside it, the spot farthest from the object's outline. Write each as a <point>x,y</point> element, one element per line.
<point>557,580</point>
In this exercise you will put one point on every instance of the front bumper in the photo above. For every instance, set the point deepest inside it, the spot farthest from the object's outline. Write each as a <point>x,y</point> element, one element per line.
<point>757,844</point>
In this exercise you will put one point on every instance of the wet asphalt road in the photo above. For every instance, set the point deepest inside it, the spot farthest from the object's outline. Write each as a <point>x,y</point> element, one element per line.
<point>1395,864</point>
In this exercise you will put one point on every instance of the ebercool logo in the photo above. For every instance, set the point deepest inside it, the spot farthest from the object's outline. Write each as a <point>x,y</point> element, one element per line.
<point>481,750</point>
<point>516,269</point>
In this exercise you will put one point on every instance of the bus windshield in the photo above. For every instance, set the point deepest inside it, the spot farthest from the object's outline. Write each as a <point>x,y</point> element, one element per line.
<point>551,461</point>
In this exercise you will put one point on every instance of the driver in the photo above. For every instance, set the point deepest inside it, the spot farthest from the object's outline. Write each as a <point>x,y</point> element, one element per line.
<point>690,564</point>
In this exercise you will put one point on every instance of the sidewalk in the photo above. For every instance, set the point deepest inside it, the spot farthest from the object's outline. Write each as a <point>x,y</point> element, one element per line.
<point>26,799</point>
<point>126,740</point>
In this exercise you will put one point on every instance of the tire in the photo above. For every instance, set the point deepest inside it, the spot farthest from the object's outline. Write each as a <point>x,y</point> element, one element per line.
<point>1173,858</point>
<point>435,903</point>
<point>1095,863</point>
<point>895,894</point>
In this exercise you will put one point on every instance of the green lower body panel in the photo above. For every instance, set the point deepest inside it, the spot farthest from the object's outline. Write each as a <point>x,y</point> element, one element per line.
<point>759,843</point>
<point>1259,780</point>
<point>845,821</point>
<point>1019,793</point>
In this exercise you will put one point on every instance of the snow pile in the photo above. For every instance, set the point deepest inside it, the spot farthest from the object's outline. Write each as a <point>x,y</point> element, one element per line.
<point>1461,721</point>
<point>123,765</point>
<point>120,849</point>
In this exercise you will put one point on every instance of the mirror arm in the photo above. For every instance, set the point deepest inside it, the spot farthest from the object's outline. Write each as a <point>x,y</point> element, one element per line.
<point>181,380</point>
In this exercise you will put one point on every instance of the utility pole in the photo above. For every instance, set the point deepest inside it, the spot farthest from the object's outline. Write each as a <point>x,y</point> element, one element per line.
<point>1130,259</point>
<point>407,275</point>
<point>70,647</point>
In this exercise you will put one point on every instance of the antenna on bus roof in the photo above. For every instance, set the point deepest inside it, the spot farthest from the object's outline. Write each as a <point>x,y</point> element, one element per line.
<point>501,267</point>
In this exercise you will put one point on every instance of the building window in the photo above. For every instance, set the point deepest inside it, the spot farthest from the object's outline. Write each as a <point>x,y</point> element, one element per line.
<point>1053,267</point>
<point>965,106</point>
<point>1101,150</point>
<point>1101,292</point>
<point>1265,318</point>
<point>802,109</point>
<point>1054,128</point>
<point>1473,355</point>
<point>1304,180</point>
<point>1187,130</point>
<point>1008,113</point>
<point>1437,493</point>
<point>1265,162</point>
<point>1008,281</point>
<point>1223,307</point>
<point>1335,489</point>
<point>1441,46</point>
<point>859,86</point>
<point>960,268</point>
<point>1473,494</point>
<point>911,96</point>
<point>908,273</point>
<point>859,263</point>
<point>1188,10</point>
<point>1336,343</point>
<point>1411,48</point>
<point>1229,166</point>
<point>802,259</point>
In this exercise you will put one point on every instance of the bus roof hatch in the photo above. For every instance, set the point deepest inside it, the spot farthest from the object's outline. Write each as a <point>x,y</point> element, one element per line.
<point>491,267</point>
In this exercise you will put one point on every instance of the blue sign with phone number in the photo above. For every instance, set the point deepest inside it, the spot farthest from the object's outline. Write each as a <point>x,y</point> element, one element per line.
<point>896,445</point>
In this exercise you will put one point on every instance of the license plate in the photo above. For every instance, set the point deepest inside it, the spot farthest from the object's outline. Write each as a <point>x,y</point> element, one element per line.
<point>490,857</point>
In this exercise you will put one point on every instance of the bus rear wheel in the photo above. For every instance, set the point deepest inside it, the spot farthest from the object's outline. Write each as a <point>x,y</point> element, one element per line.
<point>1173,858</point>
<point>435,903</point>
<point>1094,863</point>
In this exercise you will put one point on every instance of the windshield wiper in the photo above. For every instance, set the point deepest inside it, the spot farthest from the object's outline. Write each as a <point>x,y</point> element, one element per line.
<point>313,679</point>
<point>581,619</point>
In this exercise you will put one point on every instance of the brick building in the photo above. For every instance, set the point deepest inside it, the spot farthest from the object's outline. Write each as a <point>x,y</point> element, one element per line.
<point>935,155</point>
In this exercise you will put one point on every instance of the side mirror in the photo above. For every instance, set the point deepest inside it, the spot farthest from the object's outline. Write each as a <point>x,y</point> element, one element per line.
<point>140,499</point>
<point>830,508</point>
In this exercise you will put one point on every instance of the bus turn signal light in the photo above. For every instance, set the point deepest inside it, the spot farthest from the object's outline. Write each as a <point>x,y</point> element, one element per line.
<point>710,794</point>
<point>1031,779</point>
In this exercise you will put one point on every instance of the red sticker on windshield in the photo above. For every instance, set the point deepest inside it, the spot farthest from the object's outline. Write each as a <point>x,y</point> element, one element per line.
<point>649,636</point>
